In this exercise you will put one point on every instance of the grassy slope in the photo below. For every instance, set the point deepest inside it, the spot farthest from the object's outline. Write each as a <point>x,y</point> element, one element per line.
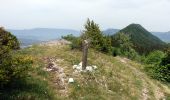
<point>115,79</point>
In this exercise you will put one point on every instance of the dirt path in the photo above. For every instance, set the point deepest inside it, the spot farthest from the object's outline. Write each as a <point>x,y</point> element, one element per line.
<point>159,95</point>
<point>60,78</point>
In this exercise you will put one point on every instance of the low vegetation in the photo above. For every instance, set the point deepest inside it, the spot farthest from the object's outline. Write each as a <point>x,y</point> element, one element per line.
<point>42,71</point>
<point>115,77</point>
<point>147,49</point>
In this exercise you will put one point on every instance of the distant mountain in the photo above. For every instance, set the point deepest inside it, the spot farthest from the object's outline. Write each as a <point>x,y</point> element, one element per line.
<point>110,31</point>
<point>142,39</point>
<point>165,36</point>
<point>37,35</point>
<point>32,36</point>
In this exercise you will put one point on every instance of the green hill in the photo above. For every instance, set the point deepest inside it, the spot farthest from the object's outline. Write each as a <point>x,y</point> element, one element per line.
<point>115,78</point>
<point>142,39</point>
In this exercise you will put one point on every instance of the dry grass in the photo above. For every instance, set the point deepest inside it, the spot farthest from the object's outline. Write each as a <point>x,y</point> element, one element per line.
<point>115,79</point>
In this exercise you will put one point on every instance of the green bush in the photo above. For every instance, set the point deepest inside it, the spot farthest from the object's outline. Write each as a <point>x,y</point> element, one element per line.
<point>123,46</point>
<point>158,65</point>
<point>69,37</point>
<point>132,54</point>
<point>163,73</point>
<point>106,47</point>
<point>116,51</point>
<point>165,66</point>
<point>76,42</point>
<point>7,42</point>
<point>12,67</point>
<point>158,72</point>
<point>166,60</point>
<point>155,57</point>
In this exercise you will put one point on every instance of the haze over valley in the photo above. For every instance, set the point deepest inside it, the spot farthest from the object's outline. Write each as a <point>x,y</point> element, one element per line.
<point>37,35</point>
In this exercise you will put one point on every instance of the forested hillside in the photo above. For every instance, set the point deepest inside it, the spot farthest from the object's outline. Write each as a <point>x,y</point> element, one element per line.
<point>143,40</point>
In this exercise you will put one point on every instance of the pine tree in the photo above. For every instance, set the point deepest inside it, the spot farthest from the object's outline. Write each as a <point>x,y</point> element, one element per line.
<point>92,32</point>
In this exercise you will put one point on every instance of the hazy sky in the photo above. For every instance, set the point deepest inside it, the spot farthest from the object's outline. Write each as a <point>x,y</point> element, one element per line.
<point>154,15</point>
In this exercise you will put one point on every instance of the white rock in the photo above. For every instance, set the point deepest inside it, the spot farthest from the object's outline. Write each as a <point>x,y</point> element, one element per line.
<point>74,66</point>
<point>49,70</point>
<point>80,64</point>
<point>89,68</point>
<point>95,67</point>
<point>79,68</point>
<point>71,80</point>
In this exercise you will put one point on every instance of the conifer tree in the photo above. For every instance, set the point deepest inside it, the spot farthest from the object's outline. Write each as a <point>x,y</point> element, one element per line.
<point>93,33</point>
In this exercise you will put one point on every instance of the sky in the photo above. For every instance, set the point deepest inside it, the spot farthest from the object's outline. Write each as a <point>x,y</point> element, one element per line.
<point>154,15</point>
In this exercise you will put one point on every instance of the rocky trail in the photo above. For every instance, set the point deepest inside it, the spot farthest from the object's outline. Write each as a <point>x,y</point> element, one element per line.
<point>60,79</point>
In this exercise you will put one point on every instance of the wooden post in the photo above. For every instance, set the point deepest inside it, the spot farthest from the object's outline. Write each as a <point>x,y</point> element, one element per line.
<point>85,53</point>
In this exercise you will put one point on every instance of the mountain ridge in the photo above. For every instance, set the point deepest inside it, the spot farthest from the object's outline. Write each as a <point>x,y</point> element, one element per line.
<point>37,35</point>
<point>143,40</point>
<point>164,36</point>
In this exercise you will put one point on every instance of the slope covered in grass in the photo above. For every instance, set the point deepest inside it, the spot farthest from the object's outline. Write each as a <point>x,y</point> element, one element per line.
<point>116,78</point>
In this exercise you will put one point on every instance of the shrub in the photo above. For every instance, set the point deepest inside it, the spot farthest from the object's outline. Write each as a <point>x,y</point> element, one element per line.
<point>123,46</point>
<point>116,51</point>
<point>166,60</point>
<point>106,47</point>
<point>155,57</point>
<point>69,37</point>
<point>76,44</point>
<point>76,41</point>
<point>12,67</point>
<point>7,41</point>
<point>165,66</point>
<point>158,65</point>
<point>163,73</point>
